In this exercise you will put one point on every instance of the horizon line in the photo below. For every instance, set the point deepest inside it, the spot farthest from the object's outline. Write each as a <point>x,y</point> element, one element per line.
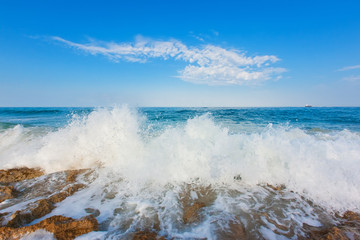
<point>176,106</point>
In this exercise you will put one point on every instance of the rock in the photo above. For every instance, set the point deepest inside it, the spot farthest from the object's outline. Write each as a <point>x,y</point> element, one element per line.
<point>63,228</point>
<point>193,198</point>
<point>26,216</point>
<point>235,230</point>
<point>204,194</point>
<point>19,174</point>
<point>41,207</point>
<point>92,211</point>
<point>58,197</point>
<point>347,229</point>
<point>191,214</point>
<point>71,175</point>
<point>146,235</point>
<point>351,216</point>
<point>6,192</point>
<point>277,187</point>
<point>2,217</point>
<point>333,233</point>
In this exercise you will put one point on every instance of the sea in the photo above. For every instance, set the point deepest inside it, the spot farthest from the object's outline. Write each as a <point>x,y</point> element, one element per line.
<point>273,171</point>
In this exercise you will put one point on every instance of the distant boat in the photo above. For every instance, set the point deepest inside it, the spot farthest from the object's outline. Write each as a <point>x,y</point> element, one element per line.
<point>307,105</point>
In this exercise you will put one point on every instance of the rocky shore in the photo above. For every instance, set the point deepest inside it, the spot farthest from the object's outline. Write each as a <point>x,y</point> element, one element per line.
<point>47,190</point>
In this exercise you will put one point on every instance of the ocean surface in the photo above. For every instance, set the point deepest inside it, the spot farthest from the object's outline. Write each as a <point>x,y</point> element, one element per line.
<point>153,159</point>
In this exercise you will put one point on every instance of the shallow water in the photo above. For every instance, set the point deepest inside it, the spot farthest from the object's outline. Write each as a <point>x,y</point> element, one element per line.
<point>151,163</point>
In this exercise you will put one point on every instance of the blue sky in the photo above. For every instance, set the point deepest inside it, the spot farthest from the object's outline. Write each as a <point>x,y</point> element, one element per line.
<point>179,53</point>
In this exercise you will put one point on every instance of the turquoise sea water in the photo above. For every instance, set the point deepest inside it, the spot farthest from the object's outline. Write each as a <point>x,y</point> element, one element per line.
<point>326,119</point>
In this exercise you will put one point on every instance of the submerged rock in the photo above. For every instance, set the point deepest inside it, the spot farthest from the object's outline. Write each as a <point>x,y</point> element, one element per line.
<point>347,229</point>
<point>191,214</point>
<point>19,174</point>
<point>146,235</point>
<point>63,228</point>
<point>92,211</point>
<point>234,230</point>
<point>193,198</point>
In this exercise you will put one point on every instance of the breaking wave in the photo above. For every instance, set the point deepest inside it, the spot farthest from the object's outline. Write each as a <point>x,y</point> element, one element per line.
<point>120,143</point>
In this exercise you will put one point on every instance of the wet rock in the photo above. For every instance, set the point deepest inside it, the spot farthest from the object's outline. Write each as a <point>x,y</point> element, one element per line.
<point>347,229</point>
<point>66,193</point>
<point>237,177</point>
<point>235,230</point>
<point>19,174</point>
<point>193,198</point>
<point>71,175</point>
<point>2,217</point>
<point>191,214</point>
<point>63,228</point>
<point>6,192</point>
<point>26,216</point>
<point>146,235</point>
<point>351,216</point>
<point>277,187</point>
<point>197,193</point>
<point>333,233</point>
<point>41,207</point>
<point>92,211</point>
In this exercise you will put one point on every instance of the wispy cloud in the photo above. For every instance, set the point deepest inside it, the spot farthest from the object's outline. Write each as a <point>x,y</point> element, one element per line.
<point>352,78</point>
<point>207,64</point>
<point>349,68</point>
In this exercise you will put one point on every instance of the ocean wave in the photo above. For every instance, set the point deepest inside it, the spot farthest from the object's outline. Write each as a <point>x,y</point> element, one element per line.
<point>322,166</point>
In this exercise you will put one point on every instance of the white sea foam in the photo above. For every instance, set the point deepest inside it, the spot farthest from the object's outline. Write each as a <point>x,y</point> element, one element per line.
<point>323,167</point>
<point>39,235</point>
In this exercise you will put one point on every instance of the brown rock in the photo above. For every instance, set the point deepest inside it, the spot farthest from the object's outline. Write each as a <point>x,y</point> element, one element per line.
<point>146,235</point>
<point>333,233</point>
<point>351,216</point>
<point>92,211</point>
<point>191,214</point>
<point>66,193</point>
<point>205,196</point>
<point>235,230</point>
<point>6,192</point>
<point>26,216</point>
<point>63,228</point>
<point>71,175</point>
<point>19,174</point>
<point>41,207</point>
<point>348,228</point>
<point>277,187</point>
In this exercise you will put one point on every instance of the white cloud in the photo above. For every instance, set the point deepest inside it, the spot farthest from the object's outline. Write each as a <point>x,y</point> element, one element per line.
<point>352,78</point>
<point>349,68</point>
<point>207,64</point>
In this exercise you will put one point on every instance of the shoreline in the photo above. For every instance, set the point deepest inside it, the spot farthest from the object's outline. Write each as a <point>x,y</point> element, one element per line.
<point>35,215</point>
